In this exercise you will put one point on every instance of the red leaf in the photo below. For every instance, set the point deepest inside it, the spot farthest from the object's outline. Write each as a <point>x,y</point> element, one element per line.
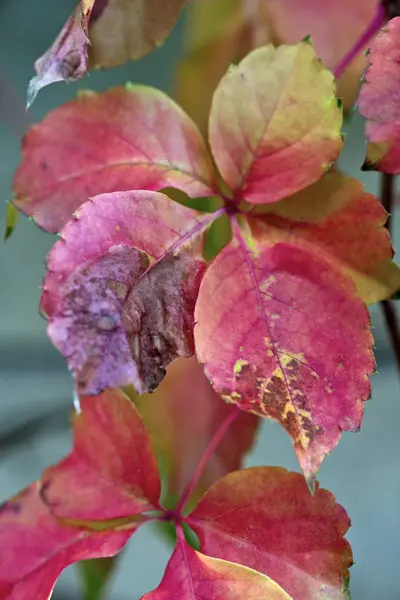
<point>193,576</point>
<point>379,101</point>
<point>336,215</point>
<point>112,470</point>
<point>183,415</point>
<point>128,138</point>
<point>36,547</point>
<point>65,60</point>
<point>283,338</point>
<point>266,519</point>
<point>119,296</point>
<point>270,135</point>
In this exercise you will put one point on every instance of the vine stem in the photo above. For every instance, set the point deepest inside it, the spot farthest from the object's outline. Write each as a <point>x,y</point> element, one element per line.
<point>376,24</point>
<point>208,452</point>
<point>388,307</point>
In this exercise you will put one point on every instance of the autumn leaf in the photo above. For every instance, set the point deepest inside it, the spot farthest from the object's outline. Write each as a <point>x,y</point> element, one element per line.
<point>336,215</point>
<point>224,32</point>
<point>183,415</point>
<point>265,518</point>
<point>289,329</point>
<point>65,60</point>
<point>36,547</point>
<point>103,34</point>
<point>191,575</point>
<point>268,135</point>
<point>87,506</point>
<point>112,470</point>
<point>378,101</point>
<point>274,341</point>
<point>129,29</point>
<point>131,137</point>
<point>121,288</point>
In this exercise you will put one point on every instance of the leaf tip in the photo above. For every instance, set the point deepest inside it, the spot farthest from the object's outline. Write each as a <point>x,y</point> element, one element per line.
<point>130,87</point>
<point>311,482</point>
<point>307,39</point>
<point>12,217</point>
<point>34,87</point>
<point>368,166</point>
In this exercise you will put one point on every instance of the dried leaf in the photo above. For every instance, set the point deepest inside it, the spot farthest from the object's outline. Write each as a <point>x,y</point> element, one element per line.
<point>102,34</point>
<point>121,290</point>
<point>65,60</point>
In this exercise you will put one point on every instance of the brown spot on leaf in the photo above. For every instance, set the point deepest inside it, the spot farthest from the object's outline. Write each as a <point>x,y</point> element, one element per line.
<point>122,320</point>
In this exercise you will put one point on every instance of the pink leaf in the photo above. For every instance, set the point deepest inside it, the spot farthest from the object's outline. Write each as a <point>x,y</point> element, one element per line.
<point>194,576</point>
<point>282,340</point>
<point>36,547</point>
<point>379,101</point>
<point>266,519</point>
<point>337,216</point>
<point>112,470</point>
<point>121,289</point>
<point>128,138</point>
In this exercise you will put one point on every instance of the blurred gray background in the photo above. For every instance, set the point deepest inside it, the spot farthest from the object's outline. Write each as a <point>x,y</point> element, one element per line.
<point>35,387</point>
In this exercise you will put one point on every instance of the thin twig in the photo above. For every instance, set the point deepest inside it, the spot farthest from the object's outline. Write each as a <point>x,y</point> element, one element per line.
<point>388,306</point>
<point>376,24</point>
<point>209,451</point>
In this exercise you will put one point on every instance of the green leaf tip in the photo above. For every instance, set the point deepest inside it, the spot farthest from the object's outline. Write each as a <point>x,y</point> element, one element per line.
<point>368,166</point>
<point>130,86</point>
<point>307,39</point>
<point>12,216</point>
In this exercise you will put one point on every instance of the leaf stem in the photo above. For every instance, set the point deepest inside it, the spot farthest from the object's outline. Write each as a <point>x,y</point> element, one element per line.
<point>388,306</point>
<point>209,451</point>
<point>377,22</point>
